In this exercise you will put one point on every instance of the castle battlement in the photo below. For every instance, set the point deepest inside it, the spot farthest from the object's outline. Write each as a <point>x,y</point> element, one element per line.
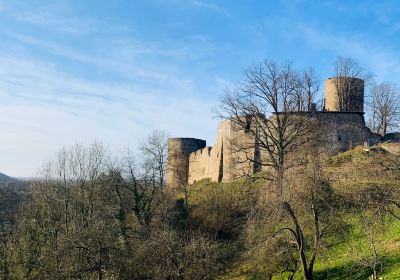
<point>206,149</point>
<point>341,127</point>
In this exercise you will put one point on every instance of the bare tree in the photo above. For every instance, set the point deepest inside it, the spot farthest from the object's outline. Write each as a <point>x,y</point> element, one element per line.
<point>369,257</point>
<point>142,175</point>
<point>373,204</point>
<point>141,184</point>
<point>69,229</point>
<point>305,221</point>
<point>346,69</point>
<point>265,106</point>
<point>385,107</point>
<point>154,149</point>
<point>12,195</point>
<point>307,90</point>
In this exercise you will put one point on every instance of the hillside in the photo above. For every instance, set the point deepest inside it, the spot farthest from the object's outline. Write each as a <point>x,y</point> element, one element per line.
<point>6,179</point>
<point>349,172</point>
<point>359,169</point>
<point>236,230</point>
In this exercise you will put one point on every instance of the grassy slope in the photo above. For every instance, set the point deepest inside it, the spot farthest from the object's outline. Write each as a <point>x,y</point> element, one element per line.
<point>348,170</point>
<point>355,169</point>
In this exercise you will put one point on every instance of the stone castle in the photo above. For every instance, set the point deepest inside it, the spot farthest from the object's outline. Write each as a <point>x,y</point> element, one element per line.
<point>191,160</point>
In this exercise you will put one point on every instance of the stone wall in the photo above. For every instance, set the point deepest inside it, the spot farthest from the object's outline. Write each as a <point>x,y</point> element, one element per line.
<point>232,155</point>
<point>342,131</point>
<point>235,150</point>
<point>220,151</point>
<point>227,159</point>
<point>201,165</point>
<point>179,150</point>
<point>214,162</point>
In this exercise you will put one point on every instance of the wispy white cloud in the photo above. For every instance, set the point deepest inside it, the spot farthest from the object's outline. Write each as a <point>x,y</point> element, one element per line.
<point>202,4</point>
<point>382,60</point>
<point>45,109</point>
<point>128,56</point>
<point>53,17</point>
<point>328,42</point>
<point>141,85</point>
<point>208,5</point>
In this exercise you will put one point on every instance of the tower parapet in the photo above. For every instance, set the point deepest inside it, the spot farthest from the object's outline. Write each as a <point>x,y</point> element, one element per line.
<point>344,94</point>
<point>237,152</point>
<point>179,150</point>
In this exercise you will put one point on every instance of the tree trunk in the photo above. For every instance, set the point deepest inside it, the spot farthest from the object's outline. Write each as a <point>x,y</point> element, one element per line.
<point>308,275</point>
<point>383,127</point>
<point>307,271</point>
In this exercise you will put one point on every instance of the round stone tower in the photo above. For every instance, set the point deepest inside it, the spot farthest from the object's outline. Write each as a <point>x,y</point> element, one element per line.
<point>343,94</point>
<point>179,150</point>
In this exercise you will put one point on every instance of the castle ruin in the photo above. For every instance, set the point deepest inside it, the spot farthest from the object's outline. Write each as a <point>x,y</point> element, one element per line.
<point>341,123</point>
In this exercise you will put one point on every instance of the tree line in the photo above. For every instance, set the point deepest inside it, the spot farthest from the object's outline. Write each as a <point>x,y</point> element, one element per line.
<point>301,208</point>
<point>93,215</point>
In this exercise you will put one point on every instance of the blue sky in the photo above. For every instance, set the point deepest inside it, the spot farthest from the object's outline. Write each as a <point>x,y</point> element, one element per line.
<point>79,71</point>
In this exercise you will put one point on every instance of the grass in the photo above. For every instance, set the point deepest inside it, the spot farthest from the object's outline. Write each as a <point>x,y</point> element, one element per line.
<point>349,170</point>
<point>338,262</point>
<point>349,156</point>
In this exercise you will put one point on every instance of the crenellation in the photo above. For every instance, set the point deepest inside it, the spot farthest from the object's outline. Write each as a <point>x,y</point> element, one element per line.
<point>341,126</point>
<point>179,150</point>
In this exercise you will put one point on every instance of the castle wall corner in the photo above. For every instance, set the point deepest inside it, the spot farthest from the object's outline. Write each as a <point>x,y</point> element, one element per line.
<point>179,150</point>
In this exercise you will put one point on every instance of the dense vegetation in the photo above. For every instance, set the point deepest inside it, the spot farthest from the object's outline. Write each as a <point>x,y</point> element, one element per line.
<point>90,217</point>
<point>303,215</point>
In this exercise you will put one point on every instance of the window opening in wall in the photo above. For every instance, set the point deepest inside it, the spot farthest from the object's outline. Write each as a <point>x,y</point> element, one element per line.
<point>339,138</point>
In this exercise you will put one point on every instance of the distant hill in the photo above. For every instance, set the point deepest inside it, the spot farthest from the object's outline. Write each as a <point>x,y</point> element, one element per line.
<point>6,179</point>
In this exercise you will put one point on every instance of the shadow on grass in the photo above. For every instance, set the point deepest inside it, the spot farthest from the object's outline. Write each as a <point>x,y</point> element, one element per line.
<point>351,270</point>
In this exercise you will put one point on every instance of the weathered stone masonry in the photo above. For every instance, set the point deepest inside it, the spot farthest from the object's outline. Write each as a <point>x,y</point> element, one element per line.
<point>190,160</point>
